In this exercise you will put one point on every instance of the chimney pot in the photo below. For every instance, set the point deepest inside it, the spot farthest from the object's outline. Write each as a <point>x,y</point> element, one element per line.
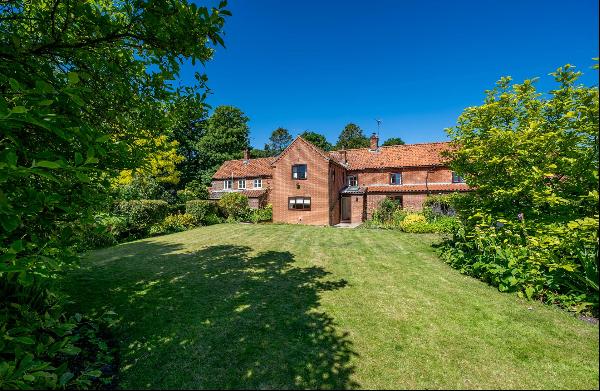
<point>374,142</point>
<point>246,154</point>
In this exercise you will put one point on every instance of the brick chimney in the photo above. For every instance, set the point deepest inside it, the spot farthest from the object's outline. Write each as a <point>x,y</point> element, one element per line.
<point>246,154</point>
<point>344,156</point>
<point>374,142</point>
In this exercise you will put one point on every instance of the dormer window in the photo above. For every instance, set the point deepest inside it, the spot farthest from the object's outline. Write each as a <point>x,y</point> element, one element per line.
<point>241,184</point>
<point>227,184</point>
<point>395,178</point>
<point>457,178</point>
<point>352,180</point>
<point>299,171</point>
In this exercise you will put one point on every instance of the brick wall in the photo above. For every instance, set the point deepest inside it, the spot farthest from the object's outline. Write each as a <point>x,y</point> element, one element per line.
<point>217,184</point>
<point>373,201</point>
<point>358,208</point>
<point>409,176</point>
<point>315,186</point>
<point>413,201</point>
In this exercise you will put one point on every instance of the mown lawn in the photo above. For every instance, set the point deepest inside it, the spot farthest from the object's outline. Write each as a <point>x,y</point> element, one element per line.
<point>277,306</point>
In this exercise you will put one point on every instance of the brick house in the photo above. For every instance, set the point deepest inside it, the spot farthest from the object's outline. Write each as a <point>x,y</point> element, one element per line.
<point>310,186</point>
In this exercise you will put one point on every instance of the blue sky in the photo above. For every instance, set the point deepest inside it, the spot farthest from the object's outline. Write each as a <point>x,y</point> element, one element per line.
<point>317,65</point>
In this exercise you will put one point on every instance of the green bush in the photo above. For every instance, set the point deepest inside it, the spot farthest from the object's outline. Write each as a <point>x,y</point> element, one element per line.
<point>205,212</point>
<point>416,223</point>
<point>198,190</point>
<point>174,223</point>
<point>234,206</point>
<point>185,195</point>
<point>176,209</point>
<point>42,347</point>
<point>262,215</point>
<point>144,188</point>
<point>556,263</point>
<point>385,211</point>
<point>141,215</point>
<point>106,230</point>
<point>390,215</point>
<point>441,205</point>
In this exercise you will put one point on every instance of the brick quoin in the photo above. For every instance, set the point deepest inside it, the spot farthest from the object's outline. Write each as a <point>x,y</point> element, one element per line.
<point>422,167</point>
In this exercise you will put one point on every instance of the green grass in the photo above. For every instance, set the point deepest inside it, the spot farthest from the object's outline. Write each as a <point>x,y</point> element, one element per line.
<point>278,306</point>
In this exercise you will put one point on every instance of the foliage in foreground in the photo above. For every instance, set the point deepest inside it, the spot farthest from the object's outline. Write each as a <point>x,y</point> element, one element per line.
<point>390,215</point>
<point>531,224</point>
<point>82,84</point>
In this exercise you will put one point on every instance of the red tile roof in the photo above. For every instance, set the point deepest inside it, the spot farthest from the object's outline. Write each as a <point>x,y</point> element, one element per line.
<point>418,188</point>
<point>298,139</point>
<point>260,167</point>
<point>410,155</point>
<point>253,193</point>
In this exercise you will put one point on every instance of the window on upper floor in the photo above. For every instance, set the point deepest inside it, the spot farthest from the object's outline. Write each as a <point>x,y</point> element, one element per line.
<point>227,184</point>
<point>299,203</point>
<point>258,183</point>
<point>352,180</point>
<point>457,178</point>
<point>241,184</point>
<point>299,171</point>
<point>395,178</point>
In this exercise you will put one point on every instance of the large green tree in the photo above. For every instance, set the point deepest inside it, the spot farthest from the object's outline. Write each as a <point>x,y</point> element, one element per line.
<point>226,137</point>
<point>82,85</point>
<point>188,117</point>
<point>278,141</point>
<point>526,152</point>
<point>317,139</point>
<point>352,137</point>
<point>393,141</point>
<point>530,223</point>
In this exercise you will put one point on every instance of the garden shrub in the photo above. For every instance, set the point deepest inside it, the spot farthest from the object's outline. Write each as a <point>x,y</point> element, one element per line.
<point>174,223</point>
<point>390,215</point>
<point>440,205</point>
<point>530,223</point>
<point>142,188</point>
<point>416,223</point>
<point>262,214</point>
<point>205,212</point>
<point>41,347</point>
<point>141,215</point>
<point>106,230</point>
<point>234,206</point>
<point>555,263</point>
<point>385,210</point>
<point>185,195</point>
<point>197,189</point>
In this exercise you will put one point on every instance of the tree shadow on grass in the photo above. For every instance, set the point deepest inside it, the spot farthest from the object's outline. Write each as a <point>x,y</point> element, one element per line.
<point>220,317</point>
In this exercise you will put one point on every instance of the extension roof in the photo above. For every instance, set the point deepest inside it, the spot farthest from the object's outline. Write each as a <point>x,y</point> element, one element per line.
<point>410,155</point>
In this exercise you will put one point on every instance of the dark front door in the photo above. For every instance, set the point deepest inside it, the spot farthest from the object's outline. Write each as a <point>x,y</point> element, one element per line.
<point>346,209</point>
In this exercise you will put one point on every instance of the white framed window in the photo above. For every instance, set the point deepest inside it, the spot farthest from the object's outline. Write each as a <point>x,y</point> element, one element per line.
<point>241,183</point>
<point>258,183</point>
<point>395,178</point>
<point>227,184</point>
<point>299,203</point>
<point>352,180</point>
